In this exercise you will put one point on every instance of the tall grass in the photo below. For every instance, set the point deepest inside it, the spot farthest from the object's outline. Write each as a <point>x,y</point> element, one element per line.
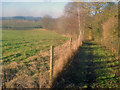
<point>63,54</point>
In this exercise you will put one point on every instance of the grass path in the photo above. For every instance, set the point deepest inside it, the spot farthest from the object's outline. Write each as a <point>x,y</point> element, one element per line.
<point>92,66</point>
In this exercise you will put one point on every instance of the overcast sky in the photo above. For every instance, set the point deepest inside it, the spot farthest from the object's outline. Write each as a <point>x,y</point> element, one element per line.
<point>36,9</point>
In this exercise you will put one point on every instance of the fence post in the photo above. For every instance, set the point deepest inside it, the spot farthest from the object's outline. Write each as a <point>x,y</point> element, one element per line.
<point>79,40</point>
<point>90,33</point>
<point>51,62</point>
<point>70,42</point>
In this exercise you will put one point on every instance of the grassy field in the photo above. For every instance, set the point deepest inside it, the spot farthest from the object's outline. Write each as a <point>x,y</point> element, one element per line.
<point>22,58</point>
<point>18,45</point>
<point>92,66</point>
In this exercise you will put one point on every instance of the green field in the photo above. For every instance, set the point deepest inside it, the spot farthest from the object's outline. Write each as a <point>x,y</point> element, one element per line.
<point>17,45</point>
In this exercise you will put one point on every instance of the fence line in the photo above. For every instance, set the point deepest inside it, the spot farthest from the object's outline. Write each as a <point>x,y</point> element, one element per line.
<point>63,54</point>
<point>51,62</point>
<point>59,57</point>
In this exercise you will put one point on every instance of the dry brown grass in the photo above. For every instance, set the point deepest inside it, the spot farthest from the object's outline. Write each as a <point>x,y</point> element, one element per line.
<point>109,37</point>
<point>64,53</point>
<point>17,75</point>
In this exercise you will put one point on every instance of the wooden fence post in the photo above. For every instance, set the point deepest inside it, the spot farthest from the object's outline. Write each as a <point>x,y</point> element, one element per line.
<point>70,42</point>
<point>51,62</point>
<point>90,35</point>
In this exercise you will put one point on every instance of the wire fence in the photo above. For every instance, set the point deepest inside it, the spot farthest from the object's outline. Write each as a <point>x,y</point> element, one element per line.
<point>35,72</point>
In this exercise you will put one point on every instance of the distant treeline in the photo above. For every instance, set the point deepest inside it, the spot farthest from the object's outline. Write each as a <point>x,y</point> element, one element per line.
<point>20,28</point>
<point>21,18</point>
<point>20,24</point>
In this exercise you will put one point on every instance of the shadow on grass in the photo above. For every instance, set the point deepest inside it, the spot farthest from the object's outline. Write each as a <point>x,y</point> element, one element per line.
<point>80,72</point>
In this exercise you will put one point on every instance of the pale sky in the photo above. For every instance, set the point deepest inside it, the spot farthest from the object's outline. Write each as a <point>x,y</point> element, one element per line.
<point>36,9</point>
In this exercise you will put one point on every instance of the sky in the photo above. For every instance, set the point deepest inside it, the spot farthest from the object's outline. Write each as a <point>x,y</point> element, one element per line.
<point>36,9</point>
